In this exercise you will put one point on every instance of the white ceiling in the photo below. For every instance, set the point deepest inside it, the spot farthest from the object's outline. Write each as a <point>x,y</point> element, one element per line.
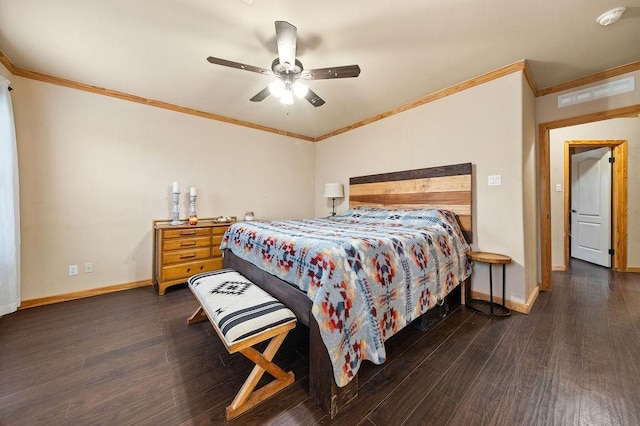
<point>157,49</point>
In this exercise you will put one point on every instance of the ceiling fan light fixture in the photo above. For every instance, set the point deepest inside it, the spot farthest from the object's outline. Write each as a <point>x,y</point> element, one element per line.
<point>286,98</point>
<point>276,88</point>
<point>287,70</point>
<point>299,89</point>
<point>611,16</point>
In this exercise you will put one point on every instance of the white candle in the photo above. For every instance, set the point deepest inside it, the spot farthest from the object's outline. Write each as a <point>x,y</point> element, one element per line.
<point>192,192</point>
<point>176,188</point>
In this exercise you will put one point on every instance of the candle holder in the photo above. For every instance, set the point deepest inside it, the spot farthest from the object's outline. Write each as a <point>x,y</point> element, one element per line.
<point>193,217</point>
<point>175,213</point>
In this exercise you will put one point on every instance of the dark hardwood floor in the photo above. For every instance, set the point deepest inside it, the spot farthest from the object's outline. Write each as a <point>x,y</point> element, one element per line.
<point>129,358</point>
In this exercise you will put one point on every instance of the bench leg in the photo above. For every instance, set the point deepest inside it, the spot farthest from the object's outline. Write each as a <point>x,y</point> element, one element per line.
<point>247,397</point>
<point>197,316</point>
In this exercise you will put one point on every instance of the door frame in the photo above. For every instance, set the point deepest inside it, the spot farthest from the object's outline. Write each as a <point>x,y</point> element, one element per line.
<point>544,167</point>
<point>618,197</point>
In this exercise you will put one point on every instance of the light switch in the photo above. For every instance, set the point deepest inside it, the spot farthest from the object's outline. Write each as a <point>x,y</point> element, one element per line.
<point>495,180</point>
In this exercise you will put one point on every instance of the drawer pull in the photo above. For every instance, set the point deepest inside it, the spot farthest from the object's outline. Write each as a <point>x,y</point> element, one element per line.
<point>187,232</point>
<point>187,243</point>
<point>187,256</point>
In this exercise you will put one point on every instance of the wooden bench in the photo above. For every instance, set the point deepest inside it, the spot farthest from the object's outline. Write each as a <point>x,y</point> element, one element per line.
<point>243,315</point>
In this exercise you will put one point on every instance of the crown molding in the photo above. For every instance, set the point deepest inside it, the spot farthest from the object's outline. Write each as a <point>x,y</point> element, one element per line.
<point>521,65</point>
<point>7,63</point>
<point>593,78</point>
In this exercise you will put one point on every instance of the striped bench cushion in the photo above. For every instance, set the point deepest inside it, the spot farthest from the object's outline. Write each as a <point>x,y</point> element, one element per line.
<point>238,308</point>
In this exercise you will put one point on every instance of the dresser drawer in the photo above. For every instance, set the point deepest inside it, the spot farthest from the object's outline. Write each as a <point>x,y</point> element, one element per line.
<point>219,230</point>
<point>185,255</point>
<point>216,240</point>
<point>185,270</point>
<point>191,232</point>
<point>186,243</point>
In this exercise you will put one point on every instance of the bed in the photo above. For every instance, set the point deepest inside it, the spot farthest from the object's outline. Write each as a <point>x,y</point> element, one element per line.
<point>357,278</point>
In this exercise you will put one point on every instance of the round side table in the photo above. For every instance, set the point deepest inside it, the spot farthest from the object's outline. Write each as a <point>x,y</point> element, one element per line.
<point>484,307</point>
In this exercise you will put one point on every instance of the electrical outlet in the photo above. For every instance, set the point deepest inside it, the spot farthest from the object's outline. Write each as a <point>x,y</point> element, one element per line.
<point>558,187</point>
<point>73,270</point>
<point>88,268</point>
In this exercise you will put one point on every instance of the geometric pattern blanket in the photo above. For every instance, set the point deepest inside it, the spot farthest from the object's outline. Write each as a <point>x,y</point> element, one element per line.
<point>238,308</point>
<point>368,272</point>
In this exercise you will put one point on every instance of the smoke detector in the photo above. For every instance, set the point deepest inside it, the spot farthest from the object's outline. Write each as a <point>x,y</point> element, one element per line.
<point>610,16</point>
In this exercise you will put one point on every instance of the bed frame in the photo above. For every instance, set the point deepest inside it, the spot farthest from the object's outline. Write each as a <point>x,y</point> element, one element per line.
<point>447,187</point>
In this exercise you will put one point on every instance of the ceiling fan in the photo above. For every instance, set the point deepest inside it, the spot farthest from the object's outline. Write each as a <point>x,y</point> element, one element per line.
<point>289,71</point>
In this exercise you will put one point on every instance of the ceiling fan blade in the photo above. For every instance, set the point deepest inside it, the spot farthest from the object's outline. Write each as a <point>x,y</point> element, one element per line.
<point>335,72</point>
<point>314,99</point>
<point>238,65</point>
<point>261,95</point>
<point>286,38</point>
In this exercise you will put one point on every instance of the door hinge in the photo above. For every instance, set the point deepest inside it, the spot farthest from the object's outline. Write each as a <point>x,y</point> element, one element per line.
<point>612,160</point>
<point>612,252</point>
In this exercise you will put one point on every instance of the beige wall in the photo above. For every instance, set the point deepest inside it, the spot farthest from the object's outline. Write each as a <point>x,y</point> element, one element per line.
<point>5,73</point>
<point>530,188</point>
<point>95,171</point>
<point>482,125</point>
<point>621,128</point>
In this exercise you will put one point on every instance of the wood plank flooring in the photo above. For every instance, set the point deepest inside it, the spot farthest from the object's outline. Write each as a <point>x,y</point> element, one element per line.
<point>129,358</point>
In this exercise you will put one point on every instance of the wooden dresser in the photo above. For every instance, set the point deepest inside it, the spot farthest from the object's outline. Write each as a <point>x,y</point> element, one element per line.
<point>182,251</point>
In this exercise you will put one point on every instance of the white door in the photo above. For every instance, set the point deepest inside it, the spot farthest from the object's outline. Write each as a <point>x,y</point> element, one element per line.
<point>591,206</point>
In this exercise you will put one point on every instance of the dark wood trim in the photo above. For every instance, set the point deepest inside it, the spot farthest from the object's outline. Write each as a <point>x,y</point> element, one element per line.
<point>468,235</point>
<point>429,172</point>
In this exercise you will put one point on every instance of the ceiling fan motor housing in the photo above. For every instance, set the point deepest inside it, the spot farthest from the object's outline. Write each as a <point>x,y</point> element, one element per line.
<point>286,72</point>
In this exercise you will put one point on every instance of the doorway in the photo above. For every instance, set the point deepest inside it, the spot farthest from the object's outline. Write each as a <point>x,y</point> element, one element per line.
<point>618,193</point>
<point>545,181</point>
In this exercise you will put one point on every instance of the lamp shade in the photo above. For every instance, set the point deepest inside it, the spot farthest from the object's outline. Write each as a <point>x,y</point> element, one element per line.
<point>333,190</point>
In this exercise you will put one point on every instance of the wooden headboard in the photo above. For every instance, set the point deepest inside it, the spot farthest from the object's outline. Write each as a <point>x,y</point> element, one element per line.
<point>446,187</point>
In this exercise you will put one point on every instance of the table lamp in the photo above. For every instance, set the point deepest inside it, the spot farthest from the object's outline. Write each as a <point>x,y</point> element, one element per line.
<point>333,191</point>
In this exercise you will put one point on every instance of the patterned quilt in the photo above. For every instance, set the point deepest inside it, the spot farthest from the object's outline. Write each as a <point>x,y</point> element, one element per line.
<point>369,272</point>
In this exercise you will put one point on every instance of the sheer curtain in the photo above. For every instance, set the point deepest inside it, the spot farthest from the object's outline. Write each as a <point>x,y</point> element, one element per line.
<point>9,207</point>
